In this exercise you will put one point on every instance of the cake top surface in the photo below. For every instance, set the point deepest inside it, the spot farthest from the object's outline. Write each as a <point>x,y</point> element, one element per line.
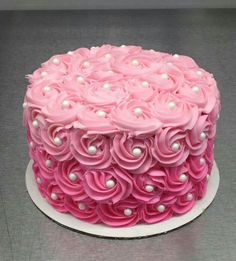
<point>109,89</point>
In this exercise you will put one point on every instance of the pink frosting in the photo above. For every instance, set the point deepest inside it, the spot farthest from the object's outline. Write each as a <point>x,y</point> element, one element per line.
<point>121,135</point>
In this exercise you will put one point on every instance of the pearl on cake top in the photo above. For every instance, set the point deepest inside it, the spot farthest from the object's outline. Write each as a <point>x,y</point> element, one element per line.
<point>80,79</point>
<point>135,62</point>
<point>65,104</point>
<point>145,84</point>
<point>137,152</point>
<point>182,178</point>
<point>70,52</point>
<point>46,89</point>
<point>164,76</point>
<point>35,124</point>
<point>161,208</point>
<point>86,64</point>
<point>57,141</point>
<point>108,56</point>
<point>127,212</point>
<point>55,61</point>
<point>171,105</point>
<point>169,63</point>
<point>43,73</point>
<point>48,163</point>
<point>39,181</point>
<point>72,176</point>
<point>101,114</point>
<point>195,89</point>
<point>176,55</point>
<point>202,136</point>
<point>110,183</point>
<point>81,206</point>
<point>54,196</point>
<point>202,161</point>
<point>175,146</point>
<point>138,111</point>
<point>189,197</point>
<point>106,86</point>
<point>24,105</point>
<point>122,46</point>
<point>199,72</point>
<point>149,188</point>
<point>92,150</point>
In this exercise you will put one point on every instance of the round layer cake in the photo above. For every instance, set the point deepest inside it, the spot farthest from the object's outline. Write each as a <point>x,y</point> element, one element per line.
<point>121,135</point>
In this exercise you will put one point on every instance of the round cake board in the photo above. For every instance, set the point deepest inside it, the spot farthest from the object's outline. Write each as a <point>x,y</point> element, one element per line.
<point>141,230</point>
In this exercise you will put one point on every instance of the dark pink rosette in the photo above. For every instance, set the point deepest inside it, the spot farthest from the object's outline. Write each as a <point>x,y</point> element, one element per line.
<point>170,147</point>
<point>92,151</point>
<point>197,169</point>
<point>201,188</point>
<point>69,176</point>
<point>133,154</point>
<point>56,141</point>
<point>85,210</point>
<point>149,186</point>
<point>125,213</point>
<point>110,185</point>
<point>209,155</point>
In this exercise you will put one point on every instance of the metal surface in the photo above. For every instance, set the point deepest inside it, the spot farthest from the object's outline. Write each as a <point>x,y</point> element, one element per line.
<point>29,38</point>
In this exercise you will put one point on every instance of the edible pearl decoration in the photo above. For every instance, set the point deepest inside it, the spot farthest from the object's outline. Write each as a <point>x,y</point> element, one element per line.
<point>43,73</point>
<point>189,196</point>
<point>110,183</point>
<point>80,79</point>
<point>169,63</point>
<point>72,177</point>
<point>92,150</point>
<point>175,147</point>
<point>86,64</point>
<point>138,111</point>
<point>208,176</point>
<point>48,163</point>
<point>195,89</point>
<point>199,72</point>
<point>176,55</point>
<point>106,87</point>
<point>161,208</point>
<point>101,114</point>
<point>202,136</point>
<point>39,181</point>
<point>135,62</point>
<point>145,84</point>
<point>56,61</point>
<point>164,76</point>
<point>70,52</point>
<point>182,178</point>
<point>202,161</point>
<point>127,212</point>
<point>149,188</point>
<point>137,152</point>
<point>35,124</point>
<point>57,141</point>
<point>31,144</point>
<point>24,105</point>
<point>171,105</point>
<point>81,206</point>
<point>46,89</point>
<point>108,56</point>
<point>54,196</point>
<point>122,46</point>
<point>65,104</point>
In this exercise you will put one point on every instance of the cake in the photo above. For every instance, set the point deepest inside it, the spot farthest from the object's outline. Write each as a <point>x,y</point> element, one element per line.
<point>121,136</point>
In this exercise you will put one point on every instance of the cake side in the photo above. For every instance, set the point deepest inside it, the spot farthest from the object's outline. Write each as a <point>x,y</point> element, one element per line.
<point>121,135</point>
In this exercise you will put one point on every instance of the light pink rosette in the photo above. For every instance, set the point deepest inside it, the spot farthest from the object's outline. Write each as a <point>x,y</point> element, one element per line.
<point>214,114</point>
<point>124,117</point>
<point>94,182</point>
<point>80,143</point>
<point>88,213</point>
<point>114,214</point>
<point>155,178</point>
<point>72,188</point>
<point>60,151</point>
<point>182,62</point>
<point>196,170</point>
<point>174,112</point>
<point>122,151</point>
<point>162,150</point>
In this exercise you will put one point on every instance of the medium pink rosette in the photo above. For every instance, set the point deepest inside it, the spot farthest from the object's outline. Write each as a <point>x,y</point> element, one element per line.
<point>197,169</point>
<point>174,112</point>
<point>85,210</point>
<point>149,186</point>
<point>170,147</point>
<point>81,143</point>
<point>110,185</point>
<point>124,151</point>
<point>56,141</point>
<point>69,176</point>
<point>125,213</point>
<point>214,114</point>
<point>136,117</point>
<point>209,155</point>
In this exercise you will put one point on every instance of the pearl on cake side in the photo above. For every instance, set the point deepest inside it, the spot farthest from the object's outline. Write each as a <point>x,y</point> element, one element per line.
<point>72,176</point>
<point>56,61</point>
<point>195,89</point>
<point>86,64</point>
<point>164,76</point>
<point>65,104</point>
<point>106,86</point>
<point>202,136</point>
<point>171,105</point>
<point>189,197</point>
<point>135,62</point>
<point>138,111</point>
<point>81,206</point>
<point>46,89</point>
<point>183,178</point>
<point>175,147</point>
<point>101,114</point>
<point>161,208</point>
<point>92,150</point>
<point>35,124</point>
<point>127,212</point>
<point>38,180</point>
<point>48,163</point>
<point>145,84</point>
<point>149,188</point>
<point>80,79</point>
<point>202,161</point>
<point>110,183</point>
<point>54,196</point>
<point>137,152</point>
<point>57,141</point>
<point>24,105</point>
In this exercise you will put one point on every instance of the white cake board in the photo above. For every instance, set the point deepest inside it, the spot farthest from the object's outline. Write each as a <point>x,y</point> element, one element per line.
<point>137,231</point>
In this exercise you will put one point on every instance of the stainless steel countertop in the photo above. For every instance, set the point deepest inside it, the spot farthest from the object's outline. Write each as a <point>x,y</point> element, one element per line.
<point>29,38</point>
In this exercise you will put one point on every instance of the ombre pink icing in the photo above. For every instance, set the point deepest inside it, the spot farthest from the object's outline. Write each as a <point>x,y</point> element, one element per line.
<point>121,135</point>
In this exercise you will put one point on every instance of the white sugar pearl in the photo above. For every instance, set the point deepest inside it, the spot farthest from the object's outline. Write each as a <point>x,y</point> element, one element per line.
<point>106,87</point>
<point>122,46</point>
<point>35,124</point>
<point>101,114</point>
<point>86,64</point>
<point>138,111</point>
<point>110,71</point>
<point>202,136</point>
<point>161,208</point>
<point>48,163</point>
<point>171,105</point>
<point>65,104</point>
<point>93,47</point>
<point>176,55</point>
<point>199,72</point>
<point>31,144</point>
<point>145,84</point>
<point>135,62</point>
<point>195,89</point>
<point>81,206</point>
<point>164,76</point>
<point>137,152</point>
<point>57,141</point>
<point>110,183</point>
<point>202,161</point>
<point>182,178</point>
<point>24,105</point>
<point>70,53</point>
<point>175,147</point>
<point>127,212</point>
<point>189,196</point>
<point>208,176</point>
<point>46,89</point>
<point>151,50</point>
<point>108,56</point>
<point>92,150</point>
<point>56,61</point>
<point>43,73</point>
<point>72,177</point>
<point>54,196</point>
<point>149,188</point>
<point>39,181</point>
<point>169,63</point>
<point>80,79</point>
